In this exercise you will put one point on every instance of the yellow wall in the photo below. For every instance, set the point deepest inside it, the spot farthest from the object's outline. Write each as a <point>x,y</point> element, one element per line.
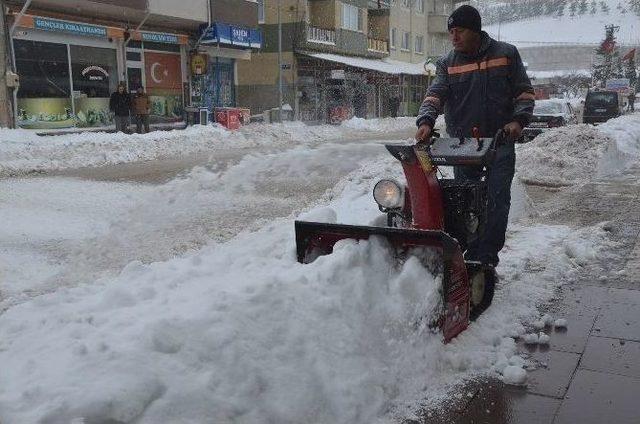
<point>322,14</point>
<point>262,69</point>
<point>290,11</point>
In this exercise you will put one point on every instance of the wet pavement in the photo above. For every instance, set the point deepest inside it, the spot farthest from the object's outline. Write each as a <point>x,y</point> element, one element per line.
<point>590,372</point>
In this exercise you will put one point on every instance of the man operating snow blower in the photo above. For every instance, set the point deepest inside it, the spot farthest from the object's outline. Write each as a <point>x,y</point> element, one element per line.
<point>482,87</point>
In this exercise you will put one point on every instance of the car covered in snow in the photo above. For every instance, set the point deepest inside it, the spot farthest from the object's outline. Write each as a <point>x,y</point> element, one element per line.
<point>600,106</point>
<point>549,114</point>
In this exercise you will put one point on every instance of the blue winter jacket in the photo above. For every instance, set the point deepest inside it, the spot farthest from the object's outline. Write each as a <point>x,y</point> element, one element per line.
<point>487,90</point>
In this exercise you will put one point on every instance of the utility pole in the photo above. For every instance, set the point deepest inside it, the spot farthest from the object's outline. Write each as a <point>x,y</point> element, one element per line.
<point>279,64</point>
<point>5,103</point>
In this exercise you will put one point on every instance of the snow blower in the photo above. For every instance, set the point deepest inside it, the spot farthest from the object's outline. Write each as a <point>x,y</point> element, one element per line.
<point>431,214</point>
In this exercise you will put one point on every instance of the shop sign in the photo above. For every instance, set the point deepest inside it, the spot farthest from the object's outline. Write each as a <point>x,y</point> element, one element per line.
<point>157,37</point>
<point>240,36</point>
<point>230,34</point>
<point>69,27</point>
<point>198,64</point>
<point>95,73</point>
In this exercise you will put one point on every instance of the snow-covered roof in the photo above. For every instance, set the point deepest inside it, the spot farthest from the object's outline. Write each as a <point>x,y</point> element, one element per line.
<point>558,73</point>
<point>388,66</point>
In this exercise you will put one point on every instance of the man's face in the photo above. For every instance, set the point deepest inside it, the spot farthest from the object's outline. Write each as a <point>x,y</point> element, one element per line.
<point>120,89</point>
<point>463,40</point>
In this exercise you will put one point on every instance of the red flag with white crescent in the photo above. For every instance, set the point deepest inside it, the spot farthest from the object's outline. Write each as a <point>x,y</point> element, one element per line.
<point>163,70</point>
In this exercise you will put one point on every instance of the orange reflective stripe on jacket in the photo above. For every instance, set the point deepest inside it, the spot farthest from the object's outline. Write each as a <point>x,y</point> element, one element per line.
<point>477,66</point>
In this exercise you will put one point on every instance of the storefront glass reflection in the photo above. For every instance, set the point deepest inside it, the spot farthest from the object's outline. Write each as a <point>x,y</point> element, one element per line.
<point>46,91</point>
<point>94,72</point>
<point>44,97</point>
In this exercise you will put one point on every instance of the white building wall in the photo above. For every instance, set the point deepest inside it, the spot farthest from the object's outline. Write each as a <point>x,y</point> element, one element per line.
<point>196,10</point>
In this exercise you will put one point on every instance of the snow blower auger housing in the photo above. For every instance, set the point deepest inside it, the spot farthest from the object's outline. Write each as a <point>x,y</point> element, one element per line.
<point>442,215</point>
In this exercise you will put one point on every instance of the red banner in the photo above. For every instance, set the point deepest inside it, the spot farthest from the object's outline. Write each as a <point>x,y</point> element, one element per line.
<point>163,71</point>
<point>629,56</point>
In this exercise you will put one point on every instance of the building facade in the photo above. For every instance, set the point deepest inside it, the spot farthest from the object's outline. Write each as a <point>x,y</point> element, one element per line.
<point>418,34</point>
<point>71,54</point>
<point>342,55</point>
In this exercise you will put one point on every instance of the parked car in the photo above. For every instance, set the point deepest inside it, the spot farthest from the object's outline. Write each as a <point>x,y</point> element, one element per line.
<point>600,106</point>
<point>549,114</point>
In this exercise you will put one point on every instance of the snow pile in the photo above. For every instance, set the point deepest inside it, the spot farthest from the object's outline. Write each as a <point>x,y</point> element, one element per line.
<point>23,151</point>
<point>562,156</point>
<point>384,124</point>
<point>241,332</point>
<point>624,151</point>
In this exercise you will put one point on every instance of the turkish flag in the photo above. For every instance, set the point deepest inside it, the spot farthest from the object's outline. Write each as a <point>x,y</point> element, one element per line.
<point>630,55</point>
<point>608,45</point>
<point>163,71</point>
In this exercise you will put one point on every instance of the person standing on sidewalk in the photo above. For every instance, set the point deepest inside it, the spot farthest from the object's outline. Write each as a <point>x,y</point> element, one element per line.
<point>481,83</point>
<point>120,105</point>
<point>141,109</point>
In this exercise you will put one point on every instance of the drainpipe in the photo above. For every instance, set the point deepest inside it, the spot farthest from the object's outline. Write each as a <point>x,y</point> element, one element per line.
<point>138,28</point>
<point>279,64</point>
<point>18,18</point>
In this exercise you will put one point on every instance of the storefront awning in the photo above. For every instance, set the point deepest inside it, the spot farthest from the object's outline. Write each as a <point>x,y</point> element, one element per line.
<point>387,66</point>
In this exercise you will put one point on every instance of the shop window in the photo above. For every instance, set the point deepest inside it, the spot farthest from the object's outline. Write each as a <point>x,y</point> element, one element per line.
<point>44,96</point>
<point>163,77</point>
<point>95,77</point>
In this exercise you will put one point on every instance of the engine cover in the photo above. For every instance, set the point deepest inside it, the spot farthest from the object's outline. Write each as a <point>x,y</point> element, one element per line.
<point>465,209</point>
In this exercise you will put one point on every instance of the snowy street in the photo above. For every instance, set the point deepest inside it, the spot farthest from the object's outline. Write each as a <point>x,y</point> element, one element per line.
<point>153,278</point>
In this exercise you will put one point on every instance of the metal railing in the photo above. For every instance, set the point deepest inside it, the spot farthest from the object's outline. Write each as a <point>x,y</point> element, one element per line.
<point>320,35</point>
<point>378,45</point>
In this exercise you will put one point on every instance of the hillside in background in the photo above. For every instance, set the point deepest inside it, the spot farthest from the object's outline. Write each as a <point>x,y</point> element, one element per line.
<point>540,22</point>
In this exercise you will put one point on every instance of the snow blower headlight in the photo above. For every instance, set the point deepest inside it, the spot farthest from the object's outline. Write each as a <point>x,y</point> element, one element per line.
<point>388,194</point>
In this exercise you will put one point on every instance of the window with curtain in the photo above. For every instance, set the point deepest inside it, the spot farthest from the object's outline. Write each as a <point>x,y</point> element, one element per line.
<point>405,41</point>
<point>351,17</point>
<point>419,44</point>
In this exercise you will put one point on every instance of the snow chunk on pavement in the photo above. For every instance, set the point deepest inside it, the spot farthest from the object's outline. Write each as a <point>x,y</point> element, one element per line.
<point>543,339</point>
<point>514,375</point>
<point>530,339</point>
<point>560,323</point>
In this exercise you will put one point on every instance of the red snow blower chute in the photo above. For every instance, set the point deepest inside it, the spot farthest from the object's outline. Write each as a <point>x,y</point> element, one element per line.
<point>431,214</point>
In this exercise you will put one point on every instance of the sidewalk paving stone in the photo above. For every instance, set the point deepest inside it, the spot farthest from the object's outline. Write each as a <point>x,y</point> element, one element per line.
<point>599,398</point>
<point>612,356</point>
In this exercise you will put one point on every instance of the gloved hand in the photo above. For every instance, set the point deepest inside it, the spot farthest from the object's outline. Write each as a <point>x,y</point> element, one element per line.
<point>423,135</point>
<point>513,130</point>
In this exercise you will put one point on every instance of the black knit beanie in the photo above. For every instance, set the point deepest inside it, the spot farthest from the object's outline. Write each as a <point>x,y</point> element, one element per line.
<point>465,17</point>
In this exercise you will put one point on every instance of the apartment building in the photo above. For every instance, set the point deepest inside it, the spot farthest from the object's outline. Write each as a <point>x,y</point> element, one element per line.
<point>335,60</point>
<point>71,54</point>
<point>418,33</point>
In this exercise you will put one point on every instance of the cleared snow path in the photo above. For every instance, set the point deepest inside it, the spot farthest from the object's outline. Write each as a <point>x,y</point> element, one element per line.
<point>64,231</point>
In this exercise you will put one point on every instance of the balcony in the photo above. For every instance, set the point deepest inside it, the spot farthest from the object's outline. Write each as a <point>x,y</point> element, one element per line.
<point>379,4</point>
<point>378,46</point>
<point>438,24</point>
<point>321,36</point>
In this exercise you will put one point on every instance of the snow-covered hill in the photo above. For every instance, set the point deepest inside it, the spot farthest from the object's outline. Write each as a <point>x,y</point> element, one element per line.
<point>570,28</point>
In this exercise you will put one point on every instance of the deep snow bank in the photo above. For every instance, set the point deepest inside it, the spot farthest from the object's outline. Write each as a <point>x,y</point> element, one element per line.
<point>23,151</point>
<point>240,332</point>
<point>580,153</point>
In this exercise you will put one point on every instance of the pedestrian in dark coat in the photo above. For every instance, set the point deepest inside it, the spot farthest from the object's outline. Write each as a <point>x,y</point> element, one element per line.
<point>120,105</point>
<point>481,83</point>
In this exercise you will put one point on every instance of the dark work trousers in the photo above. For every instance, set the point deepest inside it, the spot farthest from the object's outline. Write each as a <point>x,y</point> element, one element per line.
<point>499,179</point>
<point>142,120</point>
